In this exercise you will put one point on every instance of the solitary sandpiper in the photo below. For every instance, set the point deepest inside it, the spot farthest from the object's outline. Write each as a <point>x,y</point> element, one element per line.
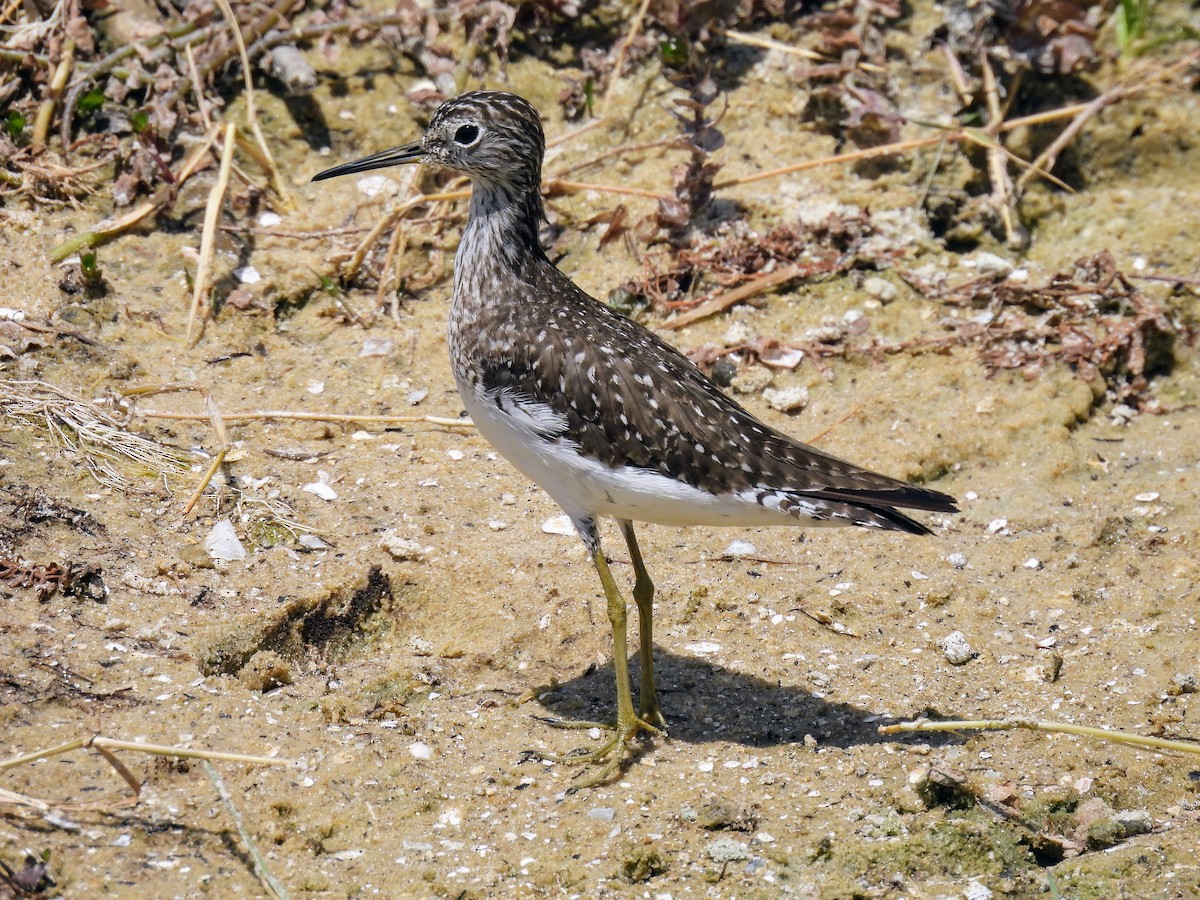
<point>607,418</point>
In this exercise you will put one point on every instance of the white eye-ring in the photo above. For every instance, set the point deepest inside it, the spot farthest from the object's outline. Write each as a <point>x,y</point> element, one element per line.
<point>466,135</point>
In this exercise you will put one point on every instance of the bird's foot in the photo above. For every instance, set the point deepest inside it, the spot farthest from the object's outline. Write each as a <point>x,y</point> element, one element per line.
<point>652,715</point>
<point>610,754</point>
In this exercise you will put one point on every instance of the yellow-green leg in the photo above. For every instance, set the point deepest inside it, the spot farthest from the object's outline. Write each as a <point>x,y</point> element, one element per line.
<point>628,723</point>
<point>643,595</point>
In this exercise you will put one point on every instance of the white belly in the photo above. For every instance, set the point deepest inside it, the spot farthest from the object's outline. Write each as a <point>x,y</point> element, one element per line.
<point>586,488</point>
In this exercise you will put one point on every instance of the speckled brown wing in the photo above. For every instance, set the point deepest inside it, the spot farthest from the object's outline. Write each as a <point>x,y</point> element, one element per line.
<point>629,399</point>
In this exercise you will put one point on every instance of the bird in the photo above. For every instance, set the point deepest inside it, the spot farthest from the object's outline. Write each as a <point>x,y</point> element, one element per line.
<point>606,417</point>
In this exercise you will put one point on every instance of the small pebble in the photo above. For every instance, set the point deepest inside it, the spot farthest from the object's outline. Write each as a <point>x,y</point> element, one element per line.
<point>703,648</point>
<point>420,750</point>
<point>739,549</point>
<point>881,289</point>
<point>1182,683</point>
<point>269,220</point>
<point>989,263</point>
<point>603,813</point>
<point>247,275</point>
<point>559,525</point>
<point>788,399</point>
<point>977,891</point>
<point>1033,563</point>
<point>956,649</point>
<point>1134,821</point>
<point>823,334</point>
<point>958,560</point>
<point>726,850</point>
<point>751,380</point>
<point>1148,497</point>
<point>401,548</point>
<point>1122,414</point>
<point>998,526</point>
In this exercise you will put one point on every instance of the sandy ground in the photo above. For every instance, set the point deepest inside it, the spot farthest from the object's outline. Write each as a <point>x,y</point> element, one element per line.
<point>406,689</point>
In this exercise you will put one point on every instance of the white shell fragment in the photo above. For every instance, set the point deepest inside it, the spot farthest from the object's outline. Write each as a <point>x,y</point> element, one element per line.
<point>247,275</point>
<point>377,347</point>
<point>222,543</point>
<point>321,489</point>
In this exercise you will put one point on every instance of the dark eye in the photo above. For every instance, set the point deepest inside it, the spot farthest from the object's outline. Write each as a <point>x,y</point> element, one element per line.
<point>466,135</point>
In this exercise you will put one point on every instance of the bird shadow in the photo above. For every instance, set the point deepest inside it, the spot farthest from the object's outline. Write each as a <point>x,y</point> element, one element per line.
<point>703,701</point>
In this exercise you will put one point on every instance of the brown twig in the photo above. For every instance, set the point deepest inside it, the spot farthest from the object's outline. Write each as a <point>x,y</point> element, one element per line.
<point>161,200</point>
<point>737,295</point>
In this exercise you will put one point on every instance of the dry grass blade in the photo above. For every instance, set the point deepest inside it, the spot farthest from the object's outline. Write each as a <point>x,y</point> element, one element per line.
<point>78,426</point>
<point>251,108</point>
<point>105,747</point>
<point>347,418</point>
<point>216,197</point>
<point>1002,193</point>
<point>853,156</point>
<point>561,186</point>
<point>635,28</point>
<point>753,40</point>
<point>269,881</point>
<point>1103,734</point>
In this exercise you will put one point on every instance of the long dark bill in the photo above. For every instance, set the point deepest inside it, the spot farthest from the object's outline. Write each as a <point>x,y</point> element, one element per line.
<point>396,156</point>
